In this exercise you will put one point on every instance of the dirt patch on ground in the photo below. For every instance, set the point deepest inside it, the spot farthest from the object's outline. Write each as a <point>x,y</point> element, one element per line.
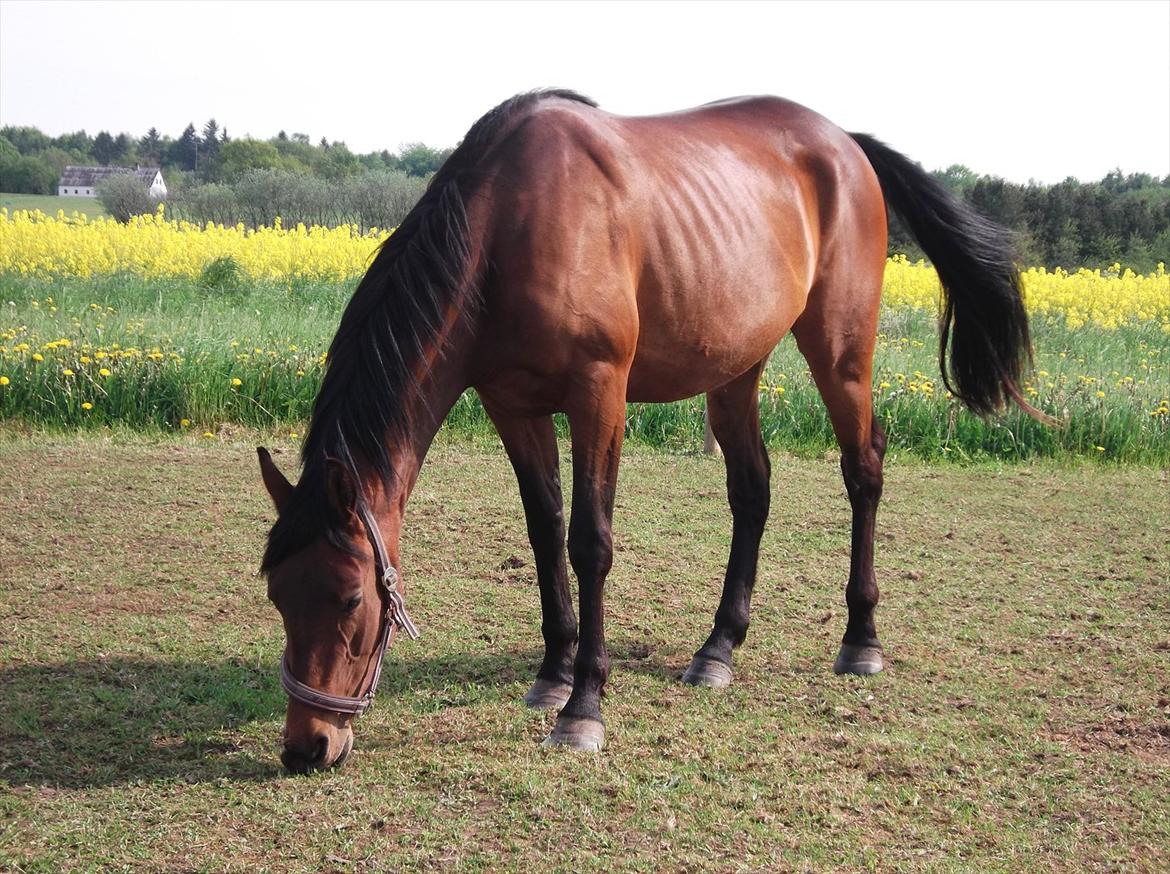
<point>1149,741</point>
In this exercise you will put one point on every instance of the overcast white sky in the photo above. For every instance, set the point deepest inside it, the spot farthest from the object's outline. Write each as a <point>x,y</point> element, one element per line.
<point>1035,90</point>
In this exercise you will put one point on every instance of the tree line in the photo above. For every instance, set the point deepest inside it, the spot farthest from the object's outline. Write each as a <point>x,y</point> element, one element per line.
<point>1122,218</point>
<point>31,161</point>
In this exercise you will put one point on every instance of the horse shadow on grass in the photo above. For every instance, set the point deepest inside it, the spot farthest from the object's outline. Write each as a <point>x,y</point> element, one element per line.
<point>118,720</point>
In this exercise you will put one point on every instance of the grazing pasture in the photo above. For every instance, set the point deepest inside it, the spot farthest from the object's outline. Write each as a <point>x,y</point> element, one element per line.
<point>49,204</point>
<point>220,350</point>
<point>1023,721</point>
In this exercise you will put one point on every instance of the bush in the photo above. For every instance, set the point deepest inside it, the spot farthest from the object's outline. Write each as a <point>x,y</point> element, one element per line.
<point>222,274</point>
<point>124,196</point>
<point>212,203</point>
<point>376,198</point>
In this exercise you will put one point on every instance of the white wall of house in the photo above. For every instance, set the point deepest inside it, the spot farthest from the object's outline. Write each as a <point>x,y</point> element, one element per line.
<point>158,188</point>
<point>79,191</point>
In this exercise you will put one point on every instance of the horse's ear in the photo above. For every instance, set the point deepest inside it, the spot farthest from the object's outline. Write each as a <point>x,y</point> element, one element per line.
<point>279,488</point>
<point>341,493</point>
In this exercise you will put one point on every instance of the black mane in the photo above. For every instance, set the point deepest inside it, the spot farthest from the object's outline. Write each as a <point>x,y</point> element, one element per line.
<point>394,318</point>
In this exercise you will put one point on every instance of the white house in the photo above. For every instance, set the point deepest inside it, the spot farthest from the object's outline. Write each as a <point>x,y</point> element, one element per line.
<point>84,181</point>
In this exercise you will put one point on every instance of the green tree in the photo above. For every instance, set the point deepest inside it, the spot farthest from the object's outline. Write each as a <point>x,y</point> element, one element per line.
<point>237,157</point>
<point>79,143</point>
<point>150,147</point>
<point>104,148</point>
<point>185,150</point>
<point>27,140</point>
<point>419,159</point>
<point>210,139</point>
<point>124,196</point>
<point>27,174</point>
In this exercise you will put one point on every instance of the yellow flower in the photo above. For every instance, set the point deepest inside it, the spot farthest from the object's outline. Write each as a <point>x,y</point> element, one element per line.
<point>183,423</point>
<point>1100,394</point>
<point>4,380</point>
<point>87,406</point>
<point>293,434</point>
<point>1099,448</point>
<point>237,381</point>
<point>67,372</point>
<point>208,434</point>
<point>105,371</point>
<point>37,356</point>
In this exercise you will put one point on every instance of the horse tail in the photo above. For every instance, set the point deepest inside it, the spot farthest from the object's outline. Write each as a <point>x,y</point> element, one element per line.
<point>983,321</point>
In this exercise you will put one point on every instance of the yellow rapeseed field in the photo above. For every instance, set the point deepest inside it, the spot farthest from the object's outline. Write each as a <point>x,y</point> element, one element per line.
<point>153,246</point>
<point>34,244</point>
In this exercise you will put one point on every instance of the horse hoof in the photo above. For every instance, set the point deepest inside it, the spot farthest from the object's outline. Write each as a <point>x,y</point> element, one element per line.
<point>577,733</point>
<point>548,695</point>
<point>855,659</point>
<point>707,672</point>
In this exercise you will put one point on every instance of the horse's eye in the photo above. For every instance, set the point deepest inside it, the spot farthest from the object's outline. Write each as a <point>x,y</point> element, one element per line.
<point>352,604</point>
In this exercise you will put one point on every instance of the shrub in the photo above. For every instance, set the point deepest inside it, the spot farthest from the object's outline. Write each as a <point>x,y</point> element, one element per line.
<point>222,274</point>
<point>124,196</point>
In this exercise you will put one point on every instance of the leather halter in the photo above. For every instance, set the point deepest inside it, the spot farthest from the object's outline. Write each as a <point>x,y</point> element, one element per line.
<point>394,617</point>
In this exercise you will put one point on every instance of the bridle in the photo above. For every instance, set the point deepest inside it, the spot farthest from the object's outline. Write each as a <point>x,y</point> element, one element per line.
<point>394,617</point>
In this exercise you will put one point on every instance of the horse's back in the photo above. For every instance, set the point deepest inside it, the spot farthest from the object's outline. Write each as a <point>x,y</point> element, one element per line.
<point>686,244</point>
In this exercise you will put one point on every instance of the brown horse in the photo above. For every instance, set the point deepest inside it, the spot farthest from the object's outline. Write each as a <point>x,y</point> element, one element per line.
<point>568,260</point>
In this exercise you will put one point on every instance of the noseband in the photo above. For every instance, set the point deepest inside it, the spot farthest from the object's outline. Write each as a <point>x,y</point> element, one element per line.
<point>394,617</point>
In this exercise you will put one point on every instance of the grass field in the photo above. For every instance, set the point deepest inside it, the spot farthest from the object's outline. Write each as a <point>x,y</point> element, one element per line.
<point>153,354</point>
<point>91,207</point>
<point>1023,723</point>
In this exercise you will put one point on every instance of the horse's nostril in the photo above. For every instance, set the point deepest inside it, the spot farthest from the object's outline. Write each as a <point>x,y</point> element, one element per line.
<point>302,759</point>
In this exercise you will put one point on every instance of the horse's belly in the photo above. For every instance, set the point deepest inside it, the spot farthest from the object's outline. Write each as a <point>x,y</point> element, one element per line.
<point>710,344</point>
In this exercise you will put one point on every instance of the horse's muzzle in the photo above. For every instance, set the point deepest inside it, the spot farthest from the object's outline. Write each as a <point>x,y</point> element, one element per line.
<point>314,756</point>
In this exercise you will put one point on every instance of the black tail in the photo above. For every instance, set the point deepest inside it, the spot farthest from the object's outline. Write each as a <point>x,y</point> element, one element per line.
<point>983,319</point>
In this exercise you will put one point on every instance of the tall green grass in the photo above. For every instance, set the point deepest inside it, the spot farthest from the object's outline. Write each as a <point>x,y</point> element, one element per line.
<point>213,352</point>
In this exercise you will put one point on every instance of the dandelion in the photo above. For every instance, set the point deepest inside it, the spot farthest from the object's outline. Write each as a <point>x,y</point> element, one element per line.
<point>4,380</point>
<point>236,381</point>
<point>1099,448</point>
<point>37,356</point>
<point>67,372</point>
<point>208,434</point>
<point>87,406</point>
<point>293,434</point>
<point>1100,394</point>
<point>105,371</point>
<point>183,423</point>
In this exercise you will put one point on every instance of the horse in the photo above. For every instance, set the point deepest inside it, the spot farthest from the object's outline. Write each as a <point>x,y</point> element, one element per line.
<point>568,260</point>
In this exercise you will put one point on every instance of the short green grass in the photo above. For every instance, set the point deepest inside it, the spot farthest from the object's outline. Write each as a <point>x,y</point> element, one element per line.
<point>90,207</point>
<point>1023,723</point>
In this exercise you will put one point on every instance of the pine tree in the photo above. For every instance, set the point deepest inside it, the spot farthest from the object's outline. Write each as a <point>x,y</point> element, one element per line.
<point>150,147</point>
<point>185,151</point>
<point>103,148</point>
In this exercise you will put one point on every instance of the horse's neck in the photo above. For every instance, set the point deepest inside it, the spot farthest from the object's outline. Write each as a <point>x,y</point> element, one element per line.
<point>430,402</point>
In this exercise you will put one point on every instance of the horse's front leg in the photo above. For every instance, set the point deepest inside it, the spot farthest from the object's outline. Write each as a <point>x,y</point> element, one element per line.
<point>597,424</point>
<point>532,448</point>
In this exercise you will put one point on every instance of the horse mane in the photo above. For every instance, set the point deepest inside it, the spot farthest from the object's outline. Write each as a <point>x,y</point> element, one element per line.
<point>395,317</point>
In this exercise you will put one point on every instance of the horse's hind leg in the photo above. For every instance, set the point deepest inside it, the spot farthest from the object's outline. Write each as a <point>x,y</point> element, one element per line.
<point>838,344</point>
<point>734,412</point>
<point>532,449</point>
